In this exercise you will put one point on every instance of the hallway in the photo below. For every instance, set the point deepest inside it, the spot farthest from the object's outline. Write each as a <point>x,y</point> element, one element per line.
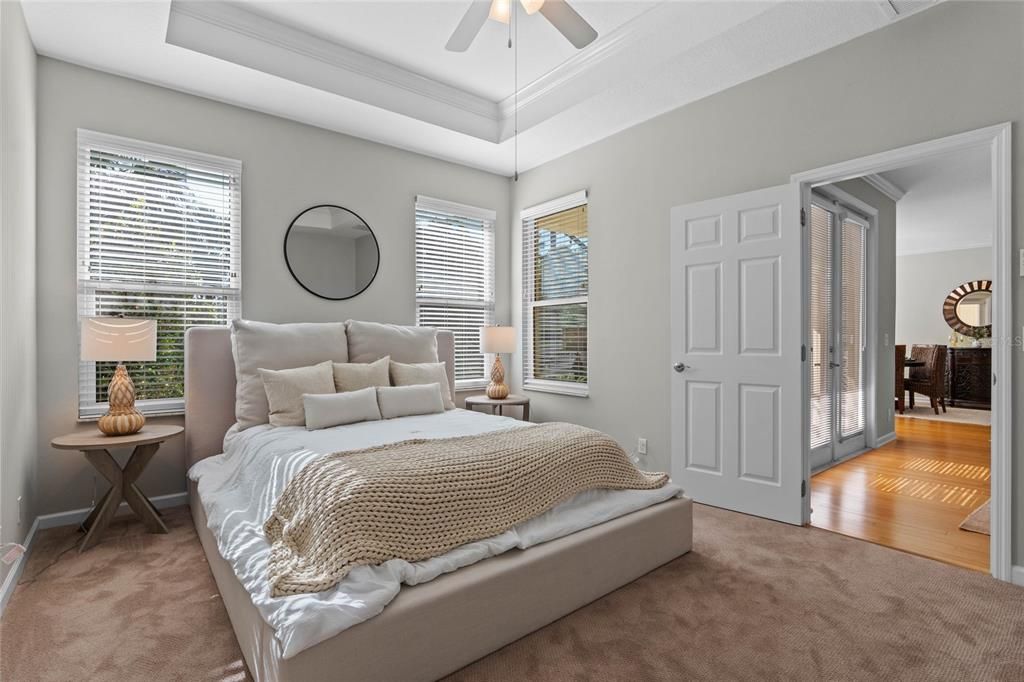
<point>912,494</point>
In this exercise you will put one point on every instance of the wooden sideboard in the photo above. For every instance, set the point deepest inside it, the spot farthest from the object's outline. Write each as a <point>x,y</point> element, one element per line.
<point>969,377</point>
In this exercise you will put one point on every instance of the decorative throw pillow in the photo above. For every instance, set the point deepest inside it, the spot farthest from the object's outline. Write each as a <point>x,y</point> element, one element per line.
<point>335,409</point>
<point>264,345</point>
<point>403,374</point>
<point>285,388</point>
<point>352,376</point>
<point>406,401</point>
<point>369,341</point>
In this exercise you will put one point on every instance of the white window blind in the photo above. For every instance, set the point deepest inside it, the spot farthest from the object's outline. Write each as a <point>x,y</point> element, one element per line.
<point>159,233</point>
<point>556,285</point>
<point>455,279</point>
<point>821,325</point>
<point>851,329</point>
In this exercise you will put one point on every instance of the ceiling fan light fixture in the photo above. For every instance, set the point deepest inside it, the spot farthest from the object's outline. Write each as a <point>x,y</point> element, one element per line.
<point>500,10</point>
<point>532,6</point>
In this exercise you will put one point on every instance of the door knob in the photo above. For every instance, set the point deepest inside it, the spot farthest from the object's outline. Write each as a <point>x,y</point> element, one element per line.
<point>679,367</point>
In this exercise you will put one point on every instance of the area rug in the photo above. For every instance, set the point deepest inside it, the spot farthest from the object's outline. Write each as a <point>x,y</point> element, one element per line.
<point>754,600</point>
<point>978,521</point>
<point>952,414</point>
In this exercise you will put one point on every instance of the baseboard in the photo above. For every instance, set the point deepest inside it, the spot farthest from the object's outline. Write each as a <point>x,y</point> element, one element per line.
<point>76,516</point>
<point>13,575</point>
<point>1017,575</point>
<point>887,438</point>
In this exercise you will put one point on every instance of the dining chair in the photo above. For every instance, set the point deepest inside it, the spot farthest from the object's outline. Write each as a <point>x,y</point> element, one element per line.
<point>901,394</point>
<point>929,380</point>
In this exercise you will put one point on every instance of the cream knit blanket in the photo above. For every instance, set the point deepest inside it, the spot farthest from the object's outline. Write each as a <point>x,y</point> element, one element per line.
<point>421,498</point>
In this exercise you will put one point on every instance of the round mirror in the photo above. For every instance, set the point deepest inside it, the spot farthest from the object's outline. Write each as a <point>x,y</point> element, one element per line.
<point>331,252</point>
<point>968,308</point>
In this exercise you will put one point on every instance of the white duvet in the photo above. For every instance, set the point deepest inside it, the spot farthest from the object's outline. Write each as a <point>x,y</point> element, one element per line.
<point>239,487</point>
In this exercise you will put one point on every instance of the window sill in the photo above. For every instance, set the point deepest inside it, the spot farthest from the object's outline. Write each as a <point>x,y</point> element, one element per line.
<point>558,388</point>
<point>156,408</point>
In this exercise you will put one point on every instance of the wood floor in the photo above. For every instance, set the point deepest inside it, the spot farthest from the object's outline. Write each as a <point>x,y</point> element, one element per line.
<point>912,494</point>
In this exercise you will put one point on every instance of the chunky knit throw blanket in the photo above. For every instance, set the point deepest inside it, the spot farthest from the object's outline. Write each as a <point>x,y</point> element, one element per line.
<point>418,499</point>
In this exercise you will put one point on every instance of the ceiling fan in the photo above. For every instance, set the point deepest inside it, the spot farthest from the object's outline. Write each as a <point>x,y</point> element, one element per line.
<point>563,17</point>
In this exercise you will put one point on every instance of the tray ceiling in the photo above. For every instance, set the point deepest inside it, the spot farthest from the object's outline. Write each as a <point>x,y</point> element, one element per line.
<point>379,70</point>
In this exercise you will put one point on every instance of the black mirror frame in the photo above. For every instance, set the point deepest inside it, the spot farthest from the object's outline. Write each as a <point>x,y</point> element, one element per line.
<point>295,277</point>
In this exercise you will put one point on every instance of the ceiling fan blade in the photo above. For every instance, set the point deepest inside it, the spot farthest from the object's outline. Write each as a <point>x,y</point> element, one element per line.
<point>472,21</point>
<point>569,23</point>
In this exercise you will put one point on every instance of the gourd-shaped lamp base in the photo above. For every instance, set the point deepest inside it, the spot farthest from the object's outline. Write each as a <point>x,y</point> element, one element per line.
<point>122,419</point>
<point>497,390</point>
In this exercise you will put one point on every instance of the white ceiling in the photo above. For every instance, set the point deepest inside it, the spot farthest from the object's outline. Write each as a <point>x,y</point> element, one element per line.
<point>947,205</point>
<point>378,70</point>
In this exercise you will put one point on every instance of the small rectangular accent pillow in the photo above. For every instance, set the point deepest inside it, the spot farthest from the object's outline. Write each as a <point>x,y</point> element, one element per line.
<point>352,376</point>
<point>403,374</point>
<point>336,409</point>
<point>369,341</point>
<point>285,388</point>
<point>406,401</point>
<point>265,345</point>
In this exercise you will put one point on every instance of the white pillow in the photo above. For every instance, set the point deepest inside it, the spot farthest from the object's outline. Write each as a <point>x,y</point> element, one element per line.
<point>405,401</point>
<point>285,388</point>
<point>257,345</point>
<point>335,409</point>
<point>352,376</point>
<point>403,374</point>
<point>369,341</point>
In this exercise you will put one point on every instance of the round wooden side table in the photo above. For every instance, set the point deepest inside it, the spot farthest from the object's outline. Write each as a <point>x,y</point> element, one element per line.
<point>93,445</point>
<point>500,404</point>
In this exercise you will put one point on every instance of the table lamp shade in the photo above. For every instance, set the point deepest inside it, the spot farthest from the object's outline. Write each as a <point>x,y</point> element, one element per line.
<point>118,339</point>
<point>498,339</point>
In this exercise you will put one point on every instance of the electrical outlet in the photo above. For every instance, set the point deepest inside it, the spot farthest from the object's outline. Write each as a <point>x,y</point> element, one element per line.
<point>886,344</point>
<point>641,446</point>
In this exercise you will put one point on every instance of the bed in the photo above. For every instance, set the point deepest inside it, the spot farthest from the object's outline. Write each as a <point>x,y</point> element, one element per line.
<point>436,627</point>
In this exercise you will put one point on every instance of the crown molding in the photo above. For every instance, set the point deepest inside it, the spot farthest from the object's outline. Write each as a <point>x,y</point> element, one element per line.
<point>235,34</point>
<point>884,186</point>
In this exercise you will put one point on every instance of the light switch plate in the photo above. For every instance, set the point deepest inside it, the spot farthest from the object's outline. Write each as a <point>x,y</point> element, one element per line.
<point>1022,262</point>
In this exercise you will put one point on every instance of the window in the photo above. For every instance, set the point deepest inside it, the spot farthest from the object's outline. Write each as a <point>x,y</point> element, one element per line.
<point>555,295</point>
<point>455,279</point>
<point>159,234</point>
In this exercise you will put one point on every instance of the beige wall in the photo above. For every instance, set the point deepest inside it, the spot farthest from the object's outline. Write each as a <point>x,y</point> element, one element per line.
<point>286,167</point>
<point>18,451</point>
<point>923,281</point>
<point>955,67</point>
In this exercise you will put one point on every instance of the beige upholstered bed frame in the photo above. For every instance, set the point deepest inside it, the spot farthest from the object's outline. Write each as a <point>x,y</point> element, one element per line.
<point>435,628</point>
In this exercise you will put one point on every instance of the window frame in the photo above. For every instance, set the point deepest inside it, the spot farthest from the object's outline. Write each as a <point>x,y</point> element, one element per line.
<point>569,388</point>
<point>86,287</point>
<point>489,304</point>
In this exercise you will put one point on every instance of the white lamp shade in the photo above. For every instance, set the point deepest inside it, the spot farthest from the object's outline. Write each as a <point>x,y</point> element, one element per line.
<point>118,339</point>
<point>497,339</point>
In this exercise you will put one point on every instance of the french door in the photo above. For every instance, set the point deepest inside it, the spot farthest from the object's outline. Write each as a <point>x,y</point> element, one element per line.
<point>837,331</point>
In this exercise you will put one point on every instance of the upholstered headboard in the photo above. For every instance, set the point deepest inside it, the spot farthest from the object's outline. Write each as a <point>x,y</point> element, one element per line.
<point>210,387</point>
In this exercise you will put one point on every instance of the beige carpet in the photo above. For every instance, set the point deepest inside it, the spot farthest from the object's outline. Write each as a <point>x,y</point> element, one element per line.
<point>979,520</point>
<point>755,600</point>
<point>961,415</point>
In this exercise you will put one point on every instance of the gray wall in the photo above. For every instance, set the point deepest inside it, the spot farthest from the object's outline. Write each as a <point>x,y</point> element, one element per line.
<point>955,67</point>
<point>286,167</point>
<point>922,283</point>
<point>17,275</point>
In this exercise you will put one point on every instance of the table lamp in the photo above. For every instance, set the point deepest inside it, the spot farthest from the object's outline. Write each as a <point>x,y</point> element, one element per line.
<point>497,340</point>
<point>120,340</point>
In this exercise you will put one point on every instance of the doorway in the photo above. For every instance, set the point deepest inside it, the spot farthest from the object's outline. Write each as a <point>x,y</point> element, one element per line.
<point>928,464</point>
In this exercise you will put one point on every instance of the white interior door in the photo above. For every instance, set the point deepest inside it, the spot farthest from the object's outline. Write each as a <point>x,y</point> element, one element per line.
<point>738,412</point>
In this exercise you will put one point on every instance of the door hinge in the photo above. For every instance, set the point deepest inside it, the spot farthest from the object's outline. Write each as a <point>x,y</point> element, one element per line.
<point>803,353</point>
<point>803,217</point>
<point>803,488</point>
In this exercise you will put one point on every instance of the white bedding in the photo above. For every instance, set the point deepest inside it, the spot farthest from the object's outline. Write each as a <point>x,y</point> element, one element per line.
<point>238,489</point>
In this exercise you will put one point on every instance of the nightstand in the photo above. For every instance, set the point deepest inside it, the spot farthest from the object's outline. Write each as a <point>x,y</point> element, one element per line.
<point>499,405</point>
<point>93,445</point>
